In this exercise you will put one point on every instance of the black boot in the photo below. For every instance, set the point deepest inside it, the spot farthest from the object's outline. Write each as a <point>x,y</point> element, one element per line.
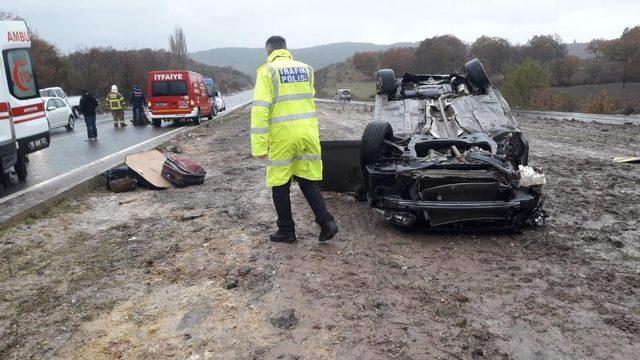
<point>328,230</point>
<point>283,236</point>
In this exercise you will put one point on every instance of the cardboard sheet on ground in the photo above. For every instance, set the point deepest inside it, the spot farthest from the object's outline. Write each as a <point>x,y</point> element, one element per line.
<point>627,159</point>
<point>148,165</point>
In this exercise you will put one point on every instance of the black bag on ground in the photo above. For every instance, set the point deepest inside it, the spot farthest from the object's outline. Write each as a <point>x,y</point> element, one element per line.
<point>183,171</point>
<point>117,173</point>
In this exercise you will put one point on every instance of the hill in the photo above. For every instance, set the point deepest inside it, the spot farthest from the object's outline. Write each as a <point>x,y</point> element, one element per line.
<point>248,59</point>
<point>344,75</point>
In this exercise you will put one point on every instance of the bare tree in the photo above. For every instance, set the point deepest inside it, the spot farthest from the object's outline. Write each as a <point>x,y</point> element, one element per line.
<point>4,15</point>
<point>178,47</point>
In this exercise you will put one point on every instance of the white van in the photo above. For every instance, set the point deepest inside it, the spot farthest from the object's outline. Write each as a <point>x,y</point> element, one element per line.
<point>7,140</point>
<point>19,89</point>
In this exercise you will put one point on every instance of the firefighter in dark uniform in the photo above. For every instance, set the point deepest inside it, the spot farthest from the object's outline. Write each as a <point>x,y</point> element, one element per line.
<point>137,102</point>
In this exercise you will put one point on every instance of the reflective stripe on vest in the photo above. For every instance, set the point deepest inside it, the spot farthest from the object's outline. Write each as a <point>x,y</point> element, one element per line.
<point>292,97</point>
<point>261,103</point>
<point>274,81</point>
<point>295,158</point>
<point>292,117</point>
<point>259,130</point>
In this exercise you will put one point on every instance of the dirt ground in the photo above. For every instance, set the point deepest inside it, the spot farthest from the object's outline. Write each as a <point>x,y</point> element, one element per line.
<point>189,273</point>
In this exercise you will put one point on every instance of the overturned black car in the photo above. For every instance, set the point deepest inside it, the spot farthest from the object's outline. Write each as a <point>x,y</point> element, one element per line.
<point>443,151</point>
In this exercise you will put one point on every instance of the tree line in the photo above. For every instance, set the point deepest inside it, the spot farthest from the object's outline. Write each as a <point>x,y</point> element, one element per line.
<point>525,73</point>
<point>97,68</point>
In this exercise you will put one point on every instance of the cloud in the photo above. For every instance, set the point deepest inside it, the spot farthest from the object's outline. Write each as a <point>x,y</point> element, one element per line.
<point>209,24</point>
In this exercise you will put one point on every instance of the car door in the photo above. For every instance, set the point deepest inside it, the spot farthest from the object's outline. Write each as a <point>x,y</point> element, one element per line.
<point>51,110</point>
<point>63,112</point>
<point>57,114</point>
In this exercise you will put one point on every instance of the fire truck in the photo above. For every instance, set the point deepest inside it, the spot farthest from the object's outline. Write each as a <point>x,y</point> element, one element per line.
<point>175,95</point>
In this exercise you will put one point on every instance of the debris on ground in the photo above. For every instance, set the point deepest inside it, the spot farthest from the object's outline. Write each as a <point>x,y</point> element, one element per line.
<point>285,319</point>
<point>102,277</point>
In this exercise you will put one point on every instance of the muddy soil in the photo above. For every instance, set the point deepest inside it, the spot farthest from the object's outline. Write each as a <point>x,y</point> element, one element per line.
<point>189,273</point>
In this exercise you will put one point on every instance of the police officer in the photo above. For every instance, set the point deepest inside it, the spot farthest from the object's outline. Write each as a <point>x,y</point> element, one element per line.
<point>138,102</point>
<point>115,102</point>
<point>284,129</point>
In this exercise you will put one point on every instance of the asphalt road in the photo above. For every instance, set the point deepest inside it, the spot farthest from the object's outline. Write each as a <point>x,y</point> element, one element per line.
<point>69,150</point>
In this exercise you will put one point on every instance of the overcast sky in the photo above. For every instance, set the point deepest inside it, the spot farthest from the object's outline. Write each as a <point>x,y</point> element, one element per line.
<point>209,24</point>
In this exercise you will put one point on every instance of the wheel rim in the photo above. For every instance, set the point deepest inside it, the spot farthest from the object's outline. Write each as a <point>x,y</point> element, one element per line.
<point>71,122</point>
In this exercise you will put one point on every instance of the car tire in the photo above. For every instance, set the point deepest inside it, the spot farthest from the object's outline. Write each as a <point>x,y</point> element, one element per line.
<point>76,112</point>
<point>196,119</point>
<point>210,116</point>
<point>477,74</point>
<point>373,137</point>
<point>157,122</point>
<point>20,167</point>
<point>386,82</point>
<point>71,123</point>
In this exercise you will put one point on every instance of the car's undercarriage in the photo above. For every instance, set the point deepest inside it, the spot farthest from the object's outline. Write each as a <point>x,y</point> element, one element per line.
<point>444,151</point>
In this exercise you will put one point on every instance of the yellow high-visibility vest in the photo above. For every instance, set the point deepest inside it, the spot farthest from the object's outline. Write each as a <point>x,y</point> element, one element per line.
<point>115,101</point>
<point>284,125</point>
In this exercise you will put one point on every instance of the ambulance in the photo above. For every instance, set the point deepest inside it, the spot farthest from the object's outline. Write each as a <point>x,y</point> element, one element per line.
<point>175,95</point>
<point>21,109</point>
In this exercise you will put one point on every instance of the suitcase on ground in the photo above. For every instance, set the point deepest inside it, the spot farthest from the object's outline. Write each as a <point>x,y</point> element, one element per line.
<point>183,171</point>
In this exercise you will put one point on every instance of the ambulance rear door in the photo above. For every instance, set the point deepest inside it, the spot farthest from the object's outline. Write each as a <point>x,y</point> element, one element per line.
<point>20,89</point>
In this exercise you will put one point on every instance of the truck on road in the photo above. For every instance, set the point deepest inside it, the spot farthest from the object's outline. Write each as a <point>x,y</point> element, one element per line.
<point>175,95</point>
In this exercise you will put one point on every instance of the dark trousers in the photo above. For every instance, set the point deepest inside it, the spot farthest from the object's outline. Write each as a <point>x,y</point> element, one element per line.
<point>137,114</point>
<point>282,202</point>
<point>92,130</point>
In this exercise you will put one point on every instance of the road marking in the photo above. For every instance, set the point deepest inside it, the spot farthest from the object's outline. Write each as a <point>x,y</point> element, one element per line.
<point>104,159</point>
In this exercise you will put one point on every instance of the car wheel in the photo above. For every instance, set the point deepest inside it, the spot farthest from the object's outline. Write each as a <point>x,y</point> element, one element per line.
<point>373,138</point>
<point>210,116</point>
<point>157,122</point>
<point>71,123</point>
<point>196,119</point>
<point>371,148</point>
<point>386,82</point>
<point>76,113</point>
<point>21,167</point>
<point>477,74</point>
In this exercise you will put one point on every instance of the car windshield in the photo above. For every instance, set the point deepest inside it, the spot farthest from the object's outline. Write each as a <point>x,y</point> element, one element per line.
<point>169,88</point>
<point>20,74</point>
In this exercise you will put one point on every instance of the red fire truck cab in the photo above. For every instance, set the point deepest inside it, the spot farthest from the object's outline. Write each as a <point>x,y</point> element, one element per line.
<point>177,95</point>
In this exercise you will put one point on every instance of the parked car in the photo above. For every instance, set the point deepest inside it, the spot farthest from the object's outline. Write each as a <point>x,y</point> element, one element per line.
<point>59,113</point>
<point>442,151</point>
<point>220,101</point>
<point>343,95</point>
<point>56,91</point>
<point>175,95</point>
<point>19,98</point>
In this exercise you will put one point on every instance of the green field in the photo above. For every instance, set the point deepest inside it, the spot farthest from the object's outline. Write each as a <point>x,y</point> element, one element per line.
<point>364,91</point>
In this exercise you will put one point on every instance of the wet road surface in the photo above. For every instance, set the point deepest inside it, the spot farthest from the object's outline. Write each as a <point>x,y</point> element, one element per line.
<point>69,150</point>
